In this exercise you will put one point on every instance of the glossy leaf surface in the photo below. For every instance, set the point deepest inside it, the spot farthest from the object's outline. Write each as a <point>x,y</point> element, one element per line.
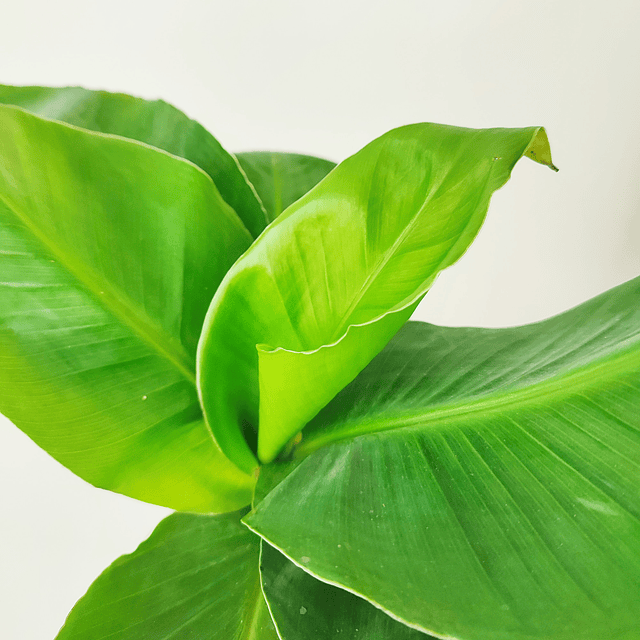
<point>337,274</point>
<point>484,483</point>
<point>195,577</point>
<point>303,607</point>
<point>155,123</point>
<point>110,252</point>
<point>282,178</point>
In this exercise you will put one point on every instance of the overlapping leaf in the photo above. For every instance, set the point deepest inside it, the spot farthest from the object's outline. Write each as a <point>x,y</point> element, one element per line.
<point>282,178</point>
<point>155,123</point>
<point>306,608</point>
<point>337,274</point>
<point>195,577</point>
<point>110,252</point>
<point>482,484</point>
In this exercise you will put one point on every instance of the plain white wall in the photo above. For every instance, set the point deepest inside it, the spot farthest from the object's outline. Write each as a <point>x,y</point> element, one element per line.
<point>325,78</point>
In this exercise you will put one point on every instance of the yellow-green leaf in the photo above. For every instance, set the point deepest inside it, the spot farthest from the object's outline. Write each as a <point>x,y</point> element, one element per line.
<point>110,252</point>
<point>339,272</point>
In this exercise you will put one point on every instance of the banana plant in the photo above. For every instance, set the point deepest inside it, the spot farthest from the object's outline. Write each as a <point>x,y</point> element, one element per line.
<point>229,336</point>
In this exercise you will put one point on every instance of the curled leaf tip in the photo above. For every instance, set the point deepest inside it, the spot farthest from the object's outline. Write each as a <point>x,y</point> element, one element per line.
<point>539,149</point>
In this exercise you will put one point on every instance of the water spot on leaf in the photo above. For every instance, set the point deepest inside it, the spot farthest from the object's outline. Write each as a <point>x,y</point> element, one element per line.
<point>596,505</point>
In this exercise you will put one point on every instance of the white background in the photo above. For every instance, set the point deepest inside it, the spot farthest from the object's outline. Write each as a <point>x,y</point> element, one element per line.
<point>325,78</point>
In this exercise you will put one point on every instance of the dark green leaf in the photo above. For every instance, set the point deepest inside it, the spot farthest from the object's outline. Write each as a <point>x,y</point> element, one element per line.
<point>282,178</point>
<point>337,274</point>
<point>304,607</point>
<point>484,483</point>
<point>110,252</point>
<point>155,123</point>
<point>195,577</point>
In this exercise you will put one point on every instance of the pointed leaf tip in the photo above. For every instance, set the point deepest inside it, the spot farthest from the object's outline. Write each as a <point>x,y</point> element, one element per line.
<point>539,149</point>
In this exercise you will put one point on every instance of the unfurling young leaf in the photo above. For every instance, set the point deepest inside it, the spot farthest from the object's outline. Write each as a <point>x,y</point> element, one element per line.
<point>340,271</point>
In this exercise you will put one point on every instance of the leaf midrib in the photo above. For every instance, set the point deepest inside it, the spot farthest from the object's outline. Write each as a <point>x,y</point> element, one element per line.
<point>431,194</point>
<point>107,296</point>
<point>386,256</point>
<point>560,386</point>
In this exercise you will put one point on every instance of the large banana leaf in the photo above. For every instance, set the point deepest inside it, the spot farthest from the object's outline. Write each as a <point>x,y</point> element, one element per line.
<point>337,274</point>
<point>282,178</point>
<point>482,484</point>
<point>155,123</point>
<point>195,577</point>
<point>109,254</point>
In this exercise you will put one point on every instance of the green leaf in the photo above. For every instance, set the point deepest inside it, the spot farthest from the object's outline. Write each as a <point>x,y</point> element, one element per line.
<point>110,252</point>
<point>336,275</point>
<point>303,607</point>
<point>155,123</point>
<point>195,577</point>
<point>282,178</point>
<point>482,483</point>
